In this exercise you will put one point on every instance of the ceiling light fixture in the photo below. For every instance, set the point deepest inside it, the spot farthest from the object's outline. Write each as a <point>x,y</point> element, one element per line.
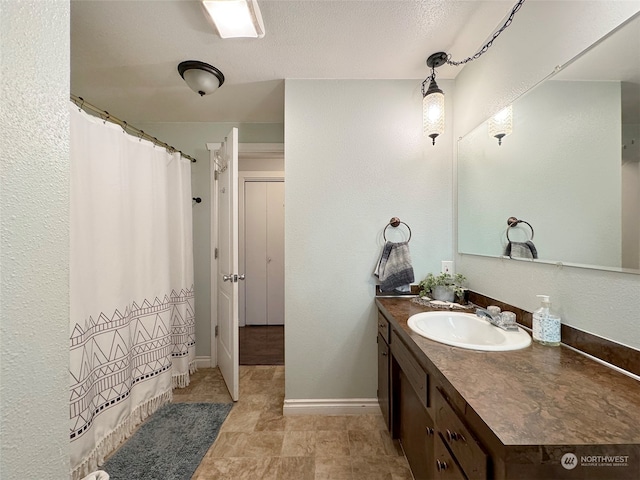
<point>235,18</point>
<point>433,97</point>
<point>501,124</point>
<point>201,77</point>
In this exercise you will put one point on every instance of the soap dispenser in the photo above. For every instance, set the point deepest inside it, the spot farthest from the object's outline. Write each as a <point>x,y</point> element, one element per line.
<point>546,325</point>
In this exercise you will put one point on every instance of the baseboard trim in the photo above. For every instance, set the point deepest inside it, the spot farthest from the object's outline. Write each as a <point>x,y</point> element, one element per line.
<point>203,362</point>
<point>331,406</point>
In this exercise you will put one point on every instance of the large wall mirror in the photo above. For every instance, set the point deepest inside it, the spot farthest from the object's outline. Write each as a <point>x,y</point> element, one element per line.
<point>564,159</point>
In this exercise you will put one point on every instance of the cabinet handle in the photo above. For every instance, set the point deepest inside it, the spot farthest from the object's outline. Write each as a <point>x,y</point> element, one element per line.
<point>441,465</point>
<point>384,354</point>
<point>429,431</point>
<point>381,325</point>
<point>454,436</point>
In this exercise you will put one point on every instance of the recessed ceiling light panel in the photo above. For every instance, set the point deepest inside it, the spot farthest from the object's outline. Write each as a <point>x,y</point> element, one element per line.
<point>236,18</point>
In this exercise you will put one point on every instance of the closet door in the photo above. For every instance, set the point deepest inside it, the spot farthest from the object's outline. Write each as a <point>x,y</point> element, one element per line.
<point>275,253</point>
<point>264,253</point>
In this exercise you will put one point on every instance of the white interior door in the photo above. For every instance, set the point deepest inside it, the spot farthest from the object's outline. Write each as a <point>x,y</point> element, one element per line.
<point>227,265</point>
<point>275,253</point>
<point>264,252</point>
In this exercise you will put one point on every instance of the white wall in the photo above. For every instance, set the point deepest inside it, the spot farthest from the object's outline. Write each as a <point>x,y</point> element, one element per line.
<point>191,138</point>
<point>34,248</point>
<point>603,303</point>
<point>355,156</point>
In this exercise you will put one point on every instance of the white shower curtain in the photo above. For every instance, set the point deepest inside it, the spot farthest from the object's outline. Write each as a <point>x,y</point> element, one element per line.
<point>132,333</point>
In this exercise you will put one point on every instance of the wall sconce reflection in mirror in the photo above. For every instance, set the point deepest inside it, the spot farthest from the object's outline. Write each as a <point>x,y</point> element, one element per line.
<point>501,124</point>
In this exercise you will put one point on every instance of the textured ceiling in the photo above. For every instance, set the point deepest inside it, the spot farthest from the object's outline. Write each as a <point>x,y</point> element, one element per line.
<point>124,54</point>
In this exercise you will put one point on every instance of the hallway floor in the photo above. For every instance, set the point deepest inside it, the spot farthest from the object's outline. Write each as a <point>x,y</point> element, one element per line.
<point>261,345</point>
<point>257,442</point>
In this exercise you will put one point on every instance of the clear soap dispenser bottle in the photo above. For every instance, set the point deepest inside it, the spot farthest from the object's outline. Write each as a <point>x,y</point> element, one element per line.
<point>546,325</point>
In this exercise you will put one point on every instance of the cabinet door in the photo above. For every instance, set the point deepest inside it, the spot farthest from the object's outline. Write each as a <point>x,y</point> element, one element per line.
<point>416,432</point>
<point>383,380</point>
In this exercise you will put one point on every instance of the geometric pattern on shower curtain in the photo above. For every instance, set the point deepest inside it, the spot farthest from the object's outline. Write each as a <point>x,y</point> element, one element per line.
<point>183,334</point>
<point>112,354</point>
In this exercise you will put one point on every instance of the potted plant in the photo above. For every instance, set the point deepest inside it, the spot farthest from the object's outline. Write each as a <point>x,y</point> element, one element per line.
<point>444,286</point>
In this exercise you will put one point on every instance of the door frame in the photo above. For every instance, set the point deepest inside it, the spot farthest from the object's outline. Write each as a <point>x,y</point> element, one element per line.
<point>245,150</point>
<point>213,224</point>
<point>243,178</point>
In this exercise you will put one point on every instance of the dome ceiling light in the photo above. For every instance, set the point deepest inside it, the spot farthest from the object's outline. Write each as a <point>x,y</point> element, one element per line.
<point>201,77</point>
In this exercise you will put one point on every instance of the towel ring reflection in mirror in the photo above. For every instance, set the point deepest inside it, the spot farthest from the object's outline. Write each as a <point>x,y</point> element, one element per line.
<point>395,222</point>
<point>512,222</point>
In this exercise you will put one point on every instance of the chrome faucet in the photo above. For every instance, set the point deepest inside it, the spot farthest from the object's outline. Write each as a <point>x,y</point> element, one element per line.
<point>496,320</point>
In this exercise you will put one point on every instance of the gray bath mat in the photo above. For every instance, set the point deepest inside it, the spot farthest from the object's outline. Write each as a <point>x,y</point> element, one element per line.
<point>170,444</point>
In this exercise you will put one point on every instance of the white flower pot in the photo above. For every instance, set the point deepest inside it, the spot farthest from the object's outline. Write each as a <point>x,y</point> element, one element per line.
<point>446,294</point>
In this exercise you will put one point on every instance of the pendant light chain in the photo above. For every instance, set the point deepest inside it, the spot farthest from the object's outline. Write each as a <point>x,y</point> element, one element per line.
<point>490,42</point>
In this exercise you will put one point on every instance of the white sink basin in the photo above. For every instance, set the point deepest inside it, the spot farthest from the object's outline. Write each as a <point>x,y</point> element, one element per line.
<point>466,330</point>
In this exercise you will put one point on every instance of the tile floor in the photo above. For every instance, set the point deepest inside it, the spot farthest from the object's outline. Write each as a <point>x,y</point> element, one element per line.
<point>257,442</point>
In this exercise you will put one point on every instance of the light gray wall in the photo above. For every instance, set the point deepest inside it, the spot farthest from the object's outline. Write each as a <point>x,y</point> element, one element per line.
<point>526,176</point>
<point>631,197</point>
<point>34,247</point>
<point>191,138</point>
<point>603,303</point>
<point>355,156</point>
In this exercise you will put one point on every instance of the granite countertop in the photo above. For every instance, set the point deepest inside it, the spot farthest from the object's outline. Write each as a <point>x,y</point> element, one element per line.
<point>535,396</point>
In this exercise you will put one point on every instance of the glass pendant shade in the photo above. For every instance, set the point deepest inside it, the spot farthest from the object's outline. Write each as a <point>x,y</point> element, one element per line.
<point>236,18</point>
<point>501,124</point>
<point>433,112</point>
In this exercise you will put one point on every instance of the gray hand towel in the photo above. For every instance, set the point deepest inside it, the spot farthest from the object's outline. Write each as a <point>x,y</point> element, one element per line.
<point>521,250</point>
<point>394,267</point>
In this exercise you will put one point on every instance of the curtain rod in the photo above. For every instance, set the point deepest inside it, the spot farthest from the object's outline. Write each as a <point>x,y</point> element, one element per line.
<point>106,116</point>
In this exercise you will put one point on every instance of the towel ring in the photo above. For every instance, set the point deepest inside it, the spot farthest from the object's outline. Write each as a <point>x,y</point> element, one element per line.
<point>512,222</point>
<point>395,222</point>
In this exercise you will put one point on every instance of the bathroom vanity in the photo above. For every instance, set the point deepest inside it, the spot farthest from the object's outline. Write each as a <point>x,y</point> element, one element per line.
<point>536,413</point>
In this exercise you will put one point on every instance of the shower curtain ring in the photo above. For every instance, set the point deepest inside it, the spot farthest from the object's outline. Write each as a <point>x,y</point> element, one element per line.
<point>124,127</point>
<point>81,104</point>
<point>141,135</point>
<point>106,117</point>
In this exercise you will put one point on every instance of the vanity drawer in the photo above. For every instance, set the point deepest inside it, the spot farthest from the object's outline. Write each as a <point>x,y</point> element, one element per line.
<point>445,466</point>
<point>383,327</point>
<point>417,377</point>
<point>463,445</point>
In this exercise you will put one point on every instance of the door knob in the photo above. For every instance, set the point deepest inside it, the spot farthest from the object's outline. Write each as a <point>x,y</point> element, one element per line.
<point>227,278</point>
<point>241,276</point>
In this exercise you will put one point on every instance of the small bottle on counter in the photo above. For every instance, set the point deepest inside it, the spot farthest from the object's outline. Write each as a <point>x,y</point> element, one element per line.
<point>546,325</point>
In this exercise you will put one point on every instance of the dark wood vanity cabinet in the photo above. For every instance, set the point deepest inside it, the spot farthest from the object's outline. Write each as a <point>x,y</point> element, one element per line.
<point>384,370</point>
<point>441,403</point>
<point>416,430</point>
<point>435,440</point>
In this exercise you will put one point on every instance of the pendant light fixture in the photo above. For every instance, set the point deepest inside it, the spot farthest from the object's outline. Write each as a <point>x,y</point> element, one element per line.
<point>501,124</point>
<point>433,99</point>
<point>201,77</point>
